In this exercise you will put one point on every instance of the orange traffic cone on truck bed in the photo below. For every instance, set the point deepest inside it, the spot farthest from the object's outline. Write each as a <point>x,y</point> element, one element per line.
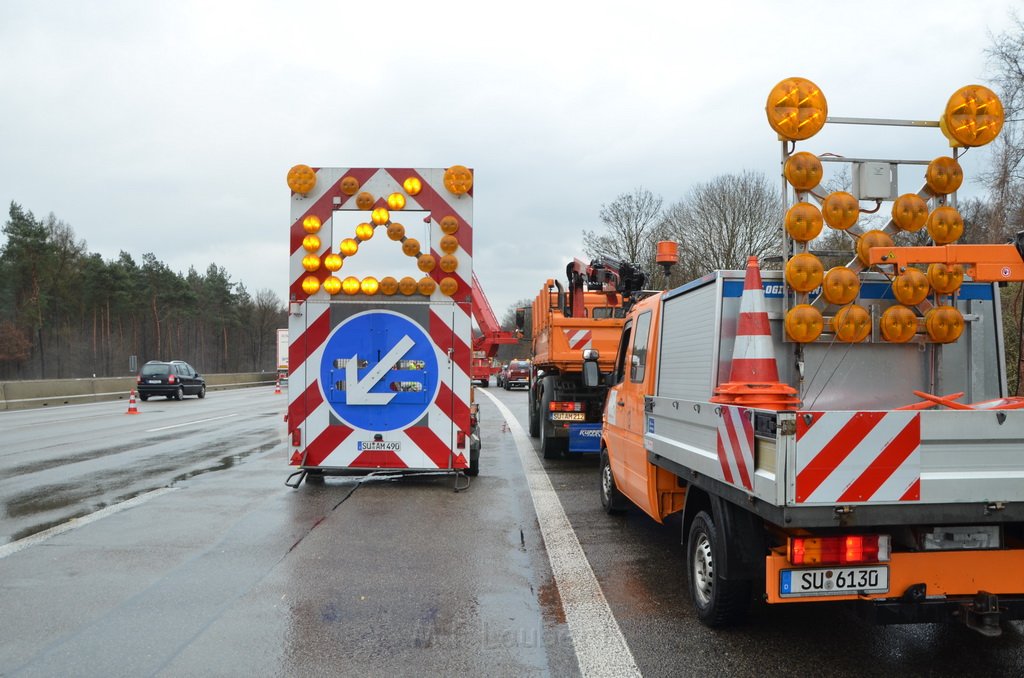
<point>131,403</point>
<point>754,375</point>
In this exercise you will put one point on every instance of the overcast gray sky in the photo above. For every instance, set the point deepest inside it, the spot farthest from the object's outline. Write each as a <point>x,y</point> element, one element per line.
<point>170,126</point>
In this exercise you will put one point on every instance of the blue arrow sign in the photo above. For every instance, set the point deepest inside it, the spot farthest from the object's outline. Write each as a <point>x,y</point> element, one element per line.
<point>379,371</point>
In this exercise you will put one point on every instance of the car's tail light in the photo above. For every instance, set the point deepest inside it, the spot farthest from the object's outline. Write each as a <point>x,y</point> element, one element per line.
<point>170,379</point>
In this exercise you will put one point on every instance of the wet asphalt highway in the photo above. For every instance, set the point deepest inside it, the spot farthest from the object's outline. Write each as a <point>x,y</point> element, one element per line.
<point>223,571</point>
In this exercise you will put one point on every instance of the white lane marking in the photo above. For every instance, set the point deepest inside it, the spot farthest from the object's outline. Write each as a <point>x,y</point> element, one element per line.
<point>601,649</point>
<point>189,423</point>
<point>75,523</point>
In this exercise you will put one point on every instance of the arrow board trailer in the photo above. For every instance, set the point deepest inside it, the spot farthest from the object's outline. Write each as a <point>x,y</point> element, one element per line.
<point>380,366</point>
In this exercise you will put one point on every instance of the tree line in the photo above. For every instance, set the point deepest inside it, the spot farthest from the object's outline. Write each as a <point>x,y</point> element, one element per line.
<point>66,312</point>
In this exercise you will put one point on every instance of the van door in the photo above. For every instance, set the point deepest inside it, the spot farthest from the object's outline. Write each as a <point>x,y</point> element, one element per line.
<point>625,411</point>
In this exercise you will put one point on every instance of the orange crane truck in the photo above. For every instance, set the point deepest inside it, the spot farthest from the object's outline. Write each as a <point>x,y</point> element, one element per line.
<point>485,344</point>
<point>588,316</point>
<point>835,436</point>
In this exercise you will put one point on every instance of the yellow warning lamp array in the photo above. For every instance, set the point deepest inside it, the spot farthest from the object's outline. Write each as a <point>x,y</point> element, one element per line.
<point>973,116</point>
<point>796,109</point>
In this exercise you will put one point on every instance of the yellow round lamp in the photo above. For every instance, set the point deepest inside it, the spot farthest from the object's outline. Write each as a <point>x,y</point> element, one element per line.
<point>804,272</point>
<point>840,286</point>
<point>388,286</point>
<point>796,109</point>
<point>803,222</point>
<point>396,201</point>
<point>364,200</point>
<point>311,223</point>
<point>332,262</point>
<point>396,231</point>
<point>840,209</point>
<point>380,216</point>
<point>458,179</point>
<point>349,184</point>
<point>851,323</point>
<point>350,285</point>
<point>945,278</point>
<point>449,244</point>
<point>310,284</point>
<point>364,232</point>
<point>944,175</point>
<point>426,263</point>
<point>301,179</point>
<point>411,247</point>
<point>449,286</point>
<point>369,286</point>
<point>311,262</point>
<point>898,324</point>
<point>412,185</point>
<point>804,323</point>
<point>869,240</point>
<point>945,225</point>
<point>311,243</point>
<point>944,324</point>
<point>911,287</point>
<point>973,116</point>
<point>449,224</point>
<point>426,286</point>
<point>803,171</point>
<point>910,212</point>
<point>407,285</point>
<point>449,263</point>
<point>349,246</point>
<point>332,285</point>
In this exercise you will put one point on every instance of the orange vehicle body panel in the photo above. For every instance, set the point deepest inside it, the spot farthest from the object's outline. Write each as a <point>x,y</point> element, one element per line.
<point>552,332</point>
<point>950,573</point>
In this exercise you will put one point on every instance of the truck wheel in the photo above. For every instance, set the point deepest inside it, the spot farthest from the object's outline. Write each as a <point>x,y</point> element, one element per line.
<point>550,446</point>
<point>719,602</point>
<point>612,500</point>
<point>474,467</point>
<point>531,407</point>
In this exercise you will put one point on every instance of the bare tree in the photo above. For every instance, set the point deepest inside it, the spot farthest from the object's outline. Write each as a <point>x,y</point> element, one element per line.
<point>631,223</point>
<point>721,222</point>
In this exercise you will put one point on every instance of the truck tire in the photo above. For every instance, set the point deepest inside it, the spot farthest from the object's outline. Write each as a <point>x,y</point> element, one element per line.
<point>612,500</point>
<point>474,468</point>
<point>550,446</point>
<point>719,602</point>
<point>531,408</point>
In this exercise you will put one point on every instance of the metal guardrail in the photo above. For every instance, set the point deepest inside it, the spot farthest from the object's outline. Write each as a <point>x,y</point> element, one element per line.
<point>19,395</point>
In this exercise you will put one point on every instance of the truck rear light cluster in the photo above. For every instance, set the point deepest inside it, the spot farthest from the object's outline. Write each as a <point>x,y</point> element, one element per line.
<point>566,407</point>
<point>840,550</point>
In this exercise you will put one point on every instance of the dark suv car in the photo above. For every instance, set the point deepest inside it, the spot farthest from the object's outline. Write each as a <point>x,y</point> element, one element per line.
<point>174,379</point>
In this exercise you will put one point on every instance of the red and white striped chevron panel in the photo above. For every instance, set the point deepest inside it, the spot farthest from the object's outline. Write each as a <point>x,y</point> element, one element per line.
<point>736,446</point>
<point>855,457</point>
<point>578,339</point>
<point>318,436</point>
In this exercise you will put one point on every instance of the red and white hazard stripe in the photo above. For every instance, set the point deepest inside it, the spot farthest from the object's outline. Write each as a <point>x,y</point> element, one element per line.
<point>850,457</point>
<point>578,339</point>
<point>736,446</point>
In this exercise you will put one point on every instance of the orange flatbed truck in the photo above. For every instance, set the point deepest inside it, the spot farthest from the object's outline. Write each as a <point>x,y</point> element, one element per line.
<point>840,437</point>
<point>588,315</point>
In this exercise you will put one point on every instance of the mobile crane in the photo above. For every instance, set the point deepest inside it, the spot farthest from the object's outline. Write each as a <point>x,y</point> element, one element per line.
<point>485,344</point>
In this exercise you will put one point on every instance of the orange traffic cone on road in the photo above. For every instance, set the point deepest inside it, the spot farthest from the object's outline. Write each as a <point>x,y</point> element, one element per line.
<point>277,387</point>
<point>754,376</point>
<point>131,403</point>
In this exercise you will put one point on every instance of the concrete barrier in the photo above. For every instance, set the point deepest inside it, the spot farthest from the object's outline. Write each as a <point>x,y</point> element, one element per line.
<point>19,395</point>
